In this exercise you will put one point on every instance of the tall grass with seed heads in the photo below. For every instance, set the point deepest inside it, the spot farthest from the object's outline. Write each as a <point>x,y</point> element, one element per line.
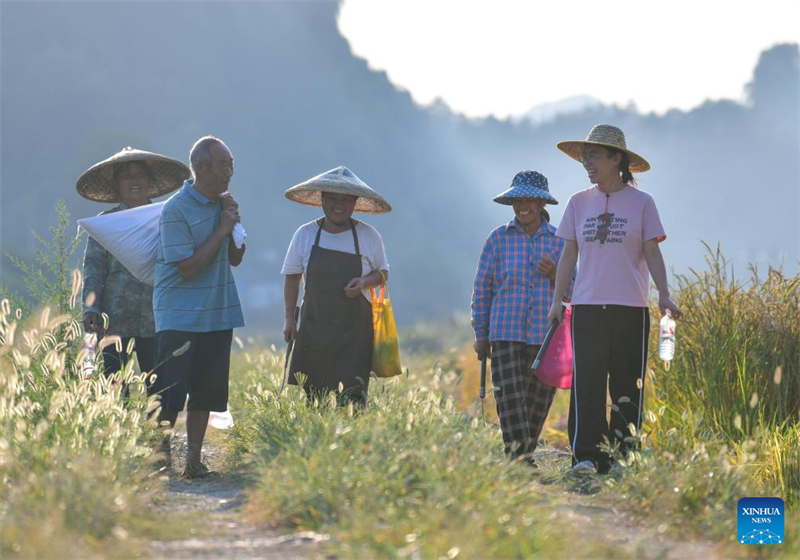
<point>409,476</point>
<point>75,478</point>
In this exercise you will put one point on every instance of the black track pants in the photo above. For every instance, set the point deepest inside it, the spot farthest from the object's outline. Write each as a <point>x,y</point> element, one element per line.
<point>610,352</point>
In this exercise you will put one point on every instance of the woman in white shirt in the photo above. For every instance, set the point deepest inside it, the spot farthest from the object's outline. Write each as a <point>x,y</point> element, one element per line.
<point>341,260</point>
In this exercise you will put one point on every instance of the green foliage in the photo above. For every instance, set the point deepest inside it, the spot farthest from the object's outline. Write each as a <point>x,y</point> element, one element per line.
<point>49,280</point>
<point>407,476</point>
<point>736,373</point>
<point>73,465</point>
<point>738,358</point>
<point>411,475</point>
<point>722,421</point>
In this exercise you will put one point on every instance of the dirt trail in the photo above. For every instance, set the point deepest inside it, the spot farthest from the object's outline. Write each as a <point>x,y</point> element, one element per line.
<point>599,522</point>
<point>226,534</point>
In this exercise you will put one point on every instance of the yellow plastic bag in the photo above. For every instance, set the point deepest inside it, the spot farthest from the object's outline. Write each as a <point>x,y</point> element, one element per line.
<point>386,350</point>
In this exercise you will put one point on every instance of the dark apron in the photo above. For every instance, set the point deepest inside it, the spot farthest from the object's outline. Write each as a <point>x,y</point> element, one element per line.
<point>334,343</point>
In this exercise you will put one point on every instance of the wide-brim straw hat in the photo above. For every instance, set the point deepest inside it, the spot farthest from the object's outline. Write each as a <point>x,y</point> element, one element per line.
<point>610,137</point>
<point>97,182</point>
<point>342,181</point>
<point>526,184</point>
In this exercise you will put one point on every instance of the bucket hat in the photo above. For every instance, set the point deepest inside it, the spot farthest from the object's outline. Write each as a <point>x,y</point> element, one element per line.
<point>610,137</point>
<point>526,184</point>
<point>97,182</point>
<point>342,181</point>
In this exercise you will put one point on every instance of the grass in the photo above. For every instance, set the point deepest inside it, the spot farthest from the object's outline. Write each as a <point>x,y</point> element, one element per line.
<point>418,473</point>
<point>722,420</point>
<point>409,476</point>
<point>73,455</point>
<point>738,364</point>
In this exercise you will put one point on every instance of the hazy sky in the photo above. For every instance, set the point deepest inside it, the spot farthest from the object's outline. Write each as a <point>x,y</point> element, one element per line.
<point>501,57</point>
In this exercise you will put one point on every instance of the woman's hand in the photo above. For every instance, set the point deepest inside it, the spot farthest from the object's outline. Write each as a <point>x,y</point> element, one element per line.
<point>289,329</point>
<point>556,314</point>
<point>665,303</point>
<point>547,267</point>
<point>92,322</point>
<point>354,287</point>
<point>482,348</point>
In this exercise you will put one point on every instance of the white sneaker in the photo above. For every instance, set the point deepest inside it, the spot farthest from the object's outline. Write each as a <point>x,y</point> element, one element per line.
<point>584,467</point>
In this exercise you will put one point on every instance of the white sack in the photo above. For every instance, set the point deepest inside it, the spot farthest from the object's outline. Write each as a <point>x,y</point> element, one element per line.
<point>131,236</point>
<point>221,420</point>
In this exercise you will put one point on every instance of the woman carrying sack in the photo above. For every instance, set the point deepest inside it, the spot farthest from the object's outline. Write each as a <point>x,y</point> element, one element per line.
<point>616,229</point>
<point>341,260</point>
<point>131,178</point>
<point>513,289</point>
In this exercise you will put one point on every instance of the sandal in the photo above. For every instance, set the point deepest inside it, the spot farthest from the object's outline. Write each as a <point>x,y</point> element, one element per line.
<point>198,470</point>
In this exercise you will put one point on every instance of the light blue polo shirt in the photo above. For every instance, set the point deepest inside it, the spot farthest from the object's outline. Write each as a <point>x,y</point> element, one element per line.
<point>209,301</point>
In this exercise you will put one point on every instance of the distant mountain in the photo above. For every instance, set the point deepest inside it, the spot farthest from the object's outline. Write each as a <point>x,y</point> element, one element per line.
<point>280,85</point>
<point>546,112</point>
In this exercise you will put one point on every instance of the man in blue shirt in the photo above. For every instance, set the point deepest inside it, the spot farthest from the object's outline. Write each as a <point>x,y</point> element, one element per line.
<point>195,301</point>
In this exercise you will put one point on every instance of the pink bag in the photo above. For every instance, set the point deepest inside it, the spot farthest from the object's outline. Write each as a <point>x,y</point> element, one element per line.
<point>555,368</point>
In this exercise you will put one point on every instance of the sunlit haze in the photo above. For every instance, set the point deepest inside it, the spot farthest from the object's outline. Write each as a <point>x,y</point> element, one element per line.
<point>502,57</point>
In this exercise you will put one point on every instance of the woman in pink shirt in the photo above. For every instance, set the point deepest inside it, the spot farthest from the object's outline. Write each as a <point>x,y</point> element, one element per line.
<point>615,229</point>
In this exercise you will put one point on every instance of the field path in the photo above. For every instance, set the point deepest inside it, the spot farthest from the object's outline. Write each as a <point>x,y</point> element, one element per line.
<point>225,532</point>
<point>600,522</point>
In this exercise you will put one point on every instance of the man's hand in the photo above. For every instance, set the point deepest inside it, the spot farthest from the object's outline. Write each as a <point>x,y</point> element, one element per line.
<point>547,267</point>
<point>92,322</point>
<point>482,348</point>
<point>230,217</point>
<point>354,287</point>
<point>227,201</point>
<point>289,329</point>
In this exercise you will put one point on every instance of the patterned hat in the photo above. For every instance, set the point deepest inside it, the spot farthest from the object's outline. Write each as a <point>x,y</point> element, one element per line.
<point>610,137</point>
<point>343,181</point>
<point>97,182</point>
<point>526,184</point>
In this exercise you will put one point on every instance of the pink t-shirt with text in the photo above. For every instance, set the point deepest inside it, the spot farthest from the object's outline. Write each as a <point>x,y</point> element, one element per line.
<point>611,231</point>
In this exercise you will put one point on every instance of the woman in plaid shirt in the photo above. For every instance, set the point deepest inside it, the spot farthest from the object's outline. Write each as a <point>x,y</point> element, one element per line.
<point>511,297</point>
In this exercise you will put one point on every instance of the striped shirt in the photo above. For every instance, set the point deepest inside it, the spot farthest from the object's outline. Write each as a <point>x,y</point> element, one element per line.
<point>510,299</point>
<point>209,301</point>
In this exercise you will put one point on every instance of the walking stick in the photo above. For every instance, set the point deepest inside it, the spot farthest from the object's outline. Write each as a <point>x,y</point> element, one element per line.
<point>289,349</point>
<point>482,392</point>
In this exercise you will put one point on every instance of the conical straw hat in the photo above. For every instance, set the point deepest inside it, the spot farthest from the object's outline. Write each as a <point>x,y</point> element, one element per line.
<point>97,182</point>
<point>343,181</point>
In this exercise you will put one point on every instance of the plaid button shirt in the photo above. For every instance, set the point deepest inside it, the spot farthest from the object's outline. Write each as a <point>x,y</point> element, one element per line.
<point>510,300</point>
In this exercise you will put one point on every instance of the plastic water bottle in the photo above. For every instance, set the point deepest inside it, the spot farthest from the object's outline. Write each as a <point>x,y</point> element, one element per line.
<point>90,345</point>
<point>666,339</point>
